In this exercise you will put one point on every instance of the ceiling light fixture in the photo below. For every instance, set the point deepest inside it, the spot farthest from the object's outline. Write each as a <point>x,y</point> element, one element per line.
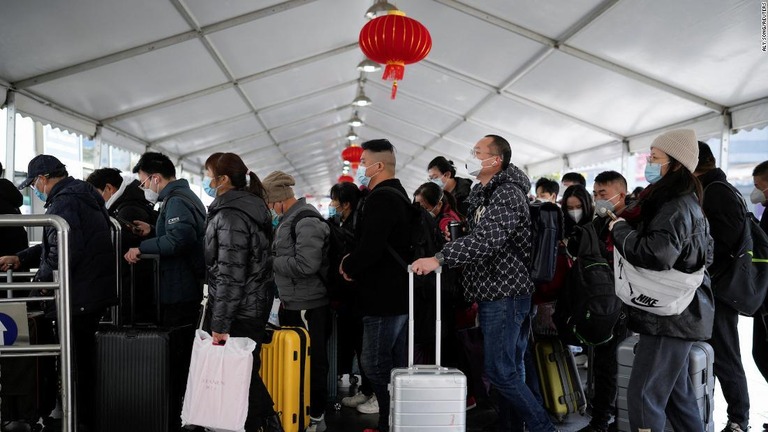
<point>351,135</point>
<point>368,65</point>
<point>380,7</point>
<point>361,100</point>
<point>355,120</point>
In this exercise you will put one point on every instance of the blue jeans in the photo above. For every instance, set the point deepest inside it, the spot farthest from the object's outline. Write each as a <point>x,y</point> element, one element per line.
<point>660,387</point>
<point>506,324</point>
<point>384,348</point>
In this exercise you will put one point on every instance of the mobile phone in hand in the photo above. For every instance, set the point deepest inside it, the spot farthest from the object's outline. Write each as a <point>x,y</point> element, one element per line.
<point>128,224</point>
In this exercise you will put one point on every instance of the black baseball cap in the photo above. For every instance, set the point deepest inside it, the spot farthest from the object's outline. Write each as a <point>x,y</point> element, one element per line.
<point>41,165</point>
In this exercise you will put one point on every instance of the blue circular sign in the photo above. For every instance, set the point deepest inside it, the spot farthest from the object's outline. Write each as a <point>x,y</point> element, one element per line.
<point>8,329</point>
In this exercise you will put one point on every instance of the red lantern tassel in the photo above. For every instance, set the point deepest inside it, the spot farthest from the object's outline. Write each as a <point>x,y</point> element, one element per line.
<point>394,89</point>
<point>394,71</point>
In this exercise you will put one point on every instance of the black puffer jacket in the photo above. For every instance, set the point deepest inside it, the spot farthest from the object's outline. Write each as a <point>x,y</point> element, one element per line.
<point>677,237</point>
<point>129,204</point>
<point>237,254</point>
<point>93,284</point>
<point>12,239</point>
<point>461,193</point>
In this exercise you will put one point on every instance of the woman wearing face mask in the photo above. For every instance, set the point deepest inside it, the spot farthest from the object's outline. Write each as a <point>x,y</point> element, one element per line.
<point>672,233</point>
<point>237,256</point>
<point>440,204</point>
<point>578,206</point>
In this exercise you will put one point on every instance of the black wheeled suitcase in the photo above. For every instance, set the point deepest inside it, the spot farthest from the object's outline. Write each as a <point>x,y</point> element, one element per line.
<point>700,368</point>
<point>139,380</point>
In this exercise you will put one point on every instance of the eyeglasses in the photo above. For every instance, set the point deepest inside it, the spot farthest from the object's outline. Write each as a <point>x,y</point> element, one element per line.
<point>33,185</point>
<point>473,152</point>
<point>142,184</point>
<point>650,159</point>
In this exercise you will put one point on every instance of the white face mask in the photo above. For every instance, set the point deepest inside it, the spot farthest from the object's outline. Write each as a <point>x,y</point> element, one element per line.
<point>475,166</point>
<point>576,214</point>
<point>757,196</point>
<point>438,181</point>
<point>149,194</point>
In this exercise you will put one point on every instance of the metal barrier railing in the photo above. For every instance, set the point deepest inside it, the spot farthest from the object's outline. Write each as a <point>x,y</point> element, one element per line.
<point>61,295</point>
<point>115,314</point>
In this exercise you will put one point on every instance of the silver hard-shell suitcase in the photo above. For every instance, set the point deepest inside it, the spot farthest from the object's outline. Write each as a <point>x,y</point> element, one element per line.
<point>700,369</point>
<point>427,397</point>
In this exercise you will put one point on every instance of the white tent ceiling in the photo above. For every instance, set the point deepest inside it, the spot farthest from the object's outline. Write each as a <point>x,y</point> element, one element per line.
<point>567,82</point>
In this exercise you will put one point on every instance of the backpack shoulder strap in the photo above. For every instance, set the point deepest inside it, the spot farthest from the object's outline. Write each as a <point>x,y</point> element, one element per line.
<point>733,191</point>
<point>391,190</point>
<point>306,213</point>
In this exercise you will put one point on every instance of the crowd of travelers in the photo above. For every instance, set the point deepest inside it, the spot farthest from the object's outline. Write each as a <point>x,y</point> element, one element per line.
<point>257,241</point>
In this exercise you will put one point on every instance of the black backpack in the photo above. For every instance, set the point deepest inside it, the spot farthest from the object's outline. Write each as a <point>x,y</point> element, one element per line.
<point>547,231</point>
<point>425,237</point>
<point>743,283</point>
<point>340,242</point>
<point>588,308</point>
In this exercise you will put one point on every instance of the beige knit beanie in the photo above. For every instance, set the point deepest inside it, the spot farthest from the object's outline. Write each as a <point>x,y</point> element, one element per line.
<point>680,144</point>
<point>278,185</point>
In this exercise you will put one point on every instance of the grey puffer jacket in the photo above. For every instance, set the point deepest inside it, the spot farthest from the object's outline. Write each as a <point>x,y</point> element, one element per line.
<point>237,256</point>
<point>297,264</point>
<point>677,237</point>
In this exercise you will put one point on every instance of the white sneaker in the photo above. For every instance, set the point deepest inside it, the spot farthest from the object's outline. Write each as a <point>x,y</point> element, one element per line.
<point>371,406</point>
<point>355,401</point>
<point>316,425</point>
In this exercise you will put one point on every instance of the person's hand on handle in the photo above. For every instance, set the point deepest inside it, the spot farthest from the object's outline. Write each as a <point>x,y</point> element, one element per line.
<point>9,262</point>
<point>219,338</point>
<point>133,255</point>
<point>425,266</point>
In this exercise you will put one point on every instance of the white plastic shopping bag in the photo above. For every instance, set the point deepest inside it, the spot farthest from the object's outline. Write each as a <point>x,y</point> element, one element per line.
<point>218,383</point>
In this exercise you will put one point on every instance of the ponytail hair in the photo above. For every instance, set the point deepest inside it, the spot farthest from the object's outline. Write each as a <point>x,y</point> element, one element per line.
<point>232,166</point>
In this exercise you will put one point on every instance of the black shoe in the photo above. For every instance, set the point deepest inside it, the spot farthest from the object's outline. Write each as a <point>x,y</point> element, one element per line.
<point>591,428</point>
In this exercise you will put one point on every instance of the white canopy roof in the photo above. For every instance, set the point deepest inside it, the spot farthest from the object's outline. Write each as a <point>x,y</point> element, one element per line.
<point>567,82</point>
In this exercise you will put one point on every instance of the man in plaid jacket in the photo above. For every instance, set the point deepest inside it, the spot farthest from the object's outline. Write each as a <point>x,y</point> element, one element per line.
<point>496,256</point>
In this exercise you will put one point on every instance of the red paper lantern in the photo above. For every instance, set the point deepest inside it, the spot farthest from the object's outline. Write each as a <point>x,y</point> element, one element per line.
<point>352,154</point>
<point>395,40</point>
<point>346,179</point>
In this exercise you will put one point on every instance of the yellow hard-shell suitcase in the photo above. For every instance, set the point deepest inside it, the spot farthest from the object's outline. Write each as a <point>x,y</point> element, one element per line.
<point>561,386</point>
<point>285,372</point>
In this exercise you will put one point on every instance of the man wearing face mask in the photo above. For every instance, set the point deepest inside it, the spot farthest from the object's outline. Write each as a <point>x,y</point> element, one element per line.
<point>91,263</point>
<point>496,255</point>
<point>723,208</point>
<point>760,330</point>
<point>125,202</point>
<point>442,172</point>
<point>383,242</point>
<point>177,236</point>
<point>299,259</point>
<point>610,188</point>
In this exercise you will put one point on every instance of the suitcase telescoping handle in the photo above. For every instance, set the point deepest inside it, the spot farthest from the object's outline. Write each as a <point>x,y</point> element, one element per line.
<point>438,321</point>
<point>156,277</point>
